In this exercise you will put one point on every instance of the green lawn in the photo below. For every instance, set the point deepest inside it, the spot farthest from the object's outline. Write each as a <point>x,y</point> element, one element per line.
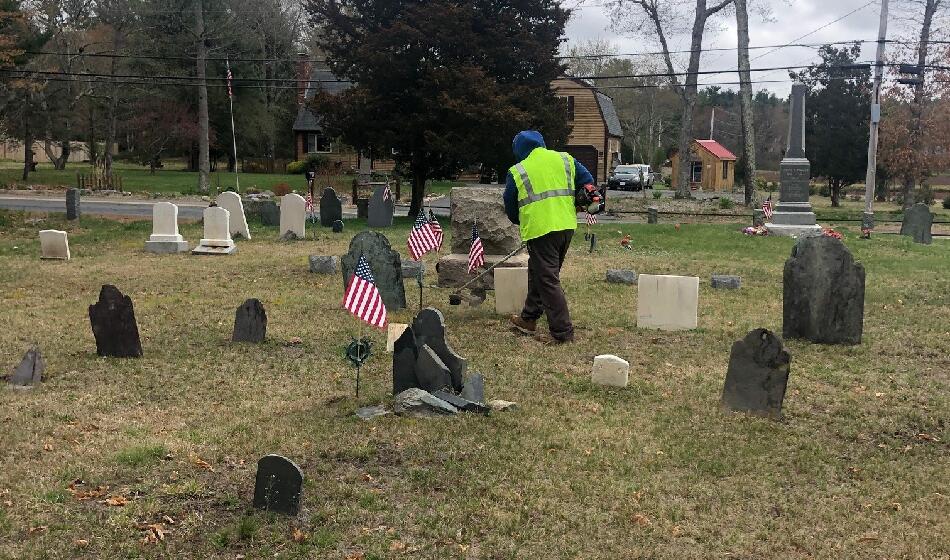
<point>107,450</point>
<point>174,179</point>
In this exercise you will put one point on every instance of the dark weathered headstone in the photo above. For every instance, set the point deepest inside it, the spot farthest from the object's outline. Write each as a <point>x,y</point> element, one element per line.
<point>269,212</point>
<point>757,375</point>
<point>337,226</point>
<point>279,485</point>
<point>725,281</point>
<point>413,269</point>
<point>620,276</point>
<point>429,329</point>
<point>324,264</point>
<point>113,324</point>
<point>758,217</point>
<point>384,263</point>
<point>418,402</point>
<point>461,403</point>
<point>250,322</point>
<point>30,371</point>
<point>652,212</point>
<point>331,208</point>
<point>823,293</point>
<point>362,208</point>
<point>474,389</point>
<point>918,221</point>
<point>431,372</point>
<point>381,208</point>
<point>72,204</point>
<point>405,355</point>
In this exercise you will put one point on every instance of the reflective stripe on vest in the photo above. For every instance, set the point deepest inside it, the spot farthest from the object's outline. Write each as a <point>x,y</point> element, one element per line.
<point>529,190</point>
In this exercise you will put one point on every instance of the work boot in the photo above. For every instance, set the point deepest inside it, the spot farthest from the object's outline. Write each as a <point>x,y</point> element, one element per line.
<point>545,338</point>
<point>523,326</point>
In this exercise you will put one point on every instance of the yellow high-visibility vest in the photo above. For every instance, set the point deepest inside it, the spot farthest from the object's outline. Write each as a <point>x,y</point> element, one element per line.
<point>545,181</point>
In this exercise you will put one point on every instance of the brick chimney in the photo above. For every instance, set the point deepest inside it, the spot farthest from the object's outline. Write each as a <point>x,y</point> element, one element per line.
<point>304,67</point>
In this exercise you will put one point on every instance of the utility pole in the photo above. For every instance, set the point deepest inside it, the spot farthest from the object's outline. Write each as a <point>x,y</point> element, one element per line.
<point>871,177</point>
<point>204,163</point>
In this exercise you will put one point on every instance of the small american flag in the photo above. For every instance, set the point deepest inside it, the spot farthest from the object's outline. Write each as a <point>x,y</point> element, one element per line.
<point>227,63</point>
<point>362,298</point>
<point>591,219</point>
<point>308,205</point>
<point>767,207</point>
<point>436,228</point>
<point>387,194</point>
<point>476,255</point>
<point>422,238</point>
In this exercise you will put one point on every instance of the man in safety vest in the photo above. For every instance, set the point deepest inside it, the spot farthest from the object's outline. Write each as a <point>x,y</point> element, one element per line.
<point>539,197</point>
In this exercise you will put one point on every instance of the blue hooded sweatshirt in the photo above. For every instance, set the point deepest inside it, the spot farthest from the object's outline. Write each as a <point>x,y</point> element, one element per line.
<point>522,146</point>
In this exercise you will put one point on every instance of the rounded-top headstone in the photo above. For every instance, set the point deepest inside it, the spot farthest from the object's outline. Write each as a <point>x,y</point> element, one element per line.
<point>757,375</point>
<point>917,223</point>
<point>278,485</point>
<point>250,322</point>
<point>384,263</point>
<point>113,324</point>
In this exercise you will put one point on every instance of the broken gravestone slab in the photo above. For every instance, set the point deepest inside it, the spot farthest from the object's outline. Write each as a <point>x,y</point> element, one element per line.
<point>324,264</point>
<point>113,324</point>
<point>461,403</point>
<point>370,412</point>
<point>278,485</point>
<point>250,322</point>
<point>757,375</point>
<point>474,389</point>
<point>428,327</point>
<point>725,281</point>
<point>431,371</point>
<point>418,402</point>
<point>30,371</point>
<point>621,276</point>
<point>405,355</point>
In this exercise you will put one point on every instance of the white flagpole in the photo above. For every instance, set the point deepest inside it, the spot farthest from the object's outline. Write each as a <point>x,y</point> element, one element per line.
<point>237,181</point>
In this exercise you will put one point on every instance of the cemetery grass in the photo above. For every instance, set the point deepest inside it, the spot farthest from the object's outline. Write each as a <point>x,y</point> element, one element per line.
<point>155,457</point>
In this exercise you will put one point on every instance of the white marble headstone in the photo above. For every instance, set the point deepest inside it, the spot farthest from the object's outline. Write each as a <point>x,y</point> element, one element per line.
<point>667,302</point>
<point>165,223</point>
<point>54,244</point>
<point>231,201</point>
<point>217,233</point>
<point>511,289</point>
<point>293,216</point>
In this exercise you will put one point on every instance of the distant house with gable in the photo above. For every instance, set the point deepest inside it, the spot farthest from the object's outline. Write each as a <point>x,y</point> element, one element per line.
<point>595,127</point>
<point>712,166</point>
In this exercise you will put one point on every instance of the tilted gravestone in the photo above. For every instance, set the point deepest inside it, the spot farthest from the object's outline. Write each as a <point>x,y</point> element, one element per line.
<point>250,322</point>
<point>30,371</point>
<point>757,375</point>
<point>331,208</point>
<point>431,371</point>
<point>823,293</point>
<point>278,485</point>
<point>237,220</point>
<point>72,204</point>
<point>918,221</point>
<point>428,327</point>
<point>384,263</point>
<point>405,356</point>
<point>381,208</point>
<point>422,357</point>
<point>113,324</point>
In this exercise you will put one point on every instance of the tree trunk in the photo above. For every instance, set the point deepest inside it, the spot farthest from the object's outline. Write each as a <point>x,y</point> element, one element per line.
<point>419,171</point>
<point>91,142</point>
<point>204,164</point>
<point>745,102</point>
<point>835,193</point>
<point>917,107</point>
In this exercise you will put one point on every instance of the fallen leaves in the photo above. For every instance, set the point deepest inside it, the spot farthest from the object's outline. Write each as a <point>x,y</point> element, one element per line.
<point>641,520</point>
<point>200,463</point>
<point>397,546</point>
<point>81,543</point>
<point>116,501</point>
<point>38,529</point>
<point>154,532</point>
<point>298,535</point>
<point>927,437</point>
<point>82,494</point>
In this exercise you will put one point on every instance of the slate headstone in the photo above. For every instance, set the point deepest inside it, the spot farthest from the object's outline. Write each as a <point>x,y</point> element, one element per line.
<point>757,375</point>
<point>278,485</point>
<point>620,276</point>
<point>413,269</point>
<point>461,403</point>
<point>113,324</point>
<point>432,373</point>
<point>474,389</point>
<point>370,412</point>
<point>381,208</point>
<point>418,402</point>
<point>250,322</point>
<point>823,293</point>
<point>30,371</point>
<point>725,281</point>
<point>429,329</point>
<point>384,263</point>
<point>269,212</point>
<point>331,208</point>
<point>337,226</point>
<point>918,221</point>
<point>405,355</point>
<point>72,204</point>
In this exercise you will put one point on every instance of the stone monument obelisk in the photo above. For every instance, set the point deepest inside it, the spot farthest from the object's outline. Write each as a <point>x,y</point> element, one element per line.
<point>793,214</point>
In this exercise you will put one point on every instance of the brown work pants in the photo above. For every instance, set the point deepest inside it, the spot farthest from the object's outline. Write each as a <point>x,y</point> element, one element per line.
<point>545,258</point>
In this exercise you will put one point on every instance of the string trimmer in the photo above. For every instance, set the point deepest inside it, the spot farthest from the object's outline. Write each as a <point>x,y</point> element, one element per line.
<point>456,297</point>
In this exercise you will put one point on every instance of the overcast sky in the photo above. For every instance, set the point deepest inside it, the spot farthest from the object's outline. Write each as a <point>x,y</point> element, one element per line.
<point>789,20</point>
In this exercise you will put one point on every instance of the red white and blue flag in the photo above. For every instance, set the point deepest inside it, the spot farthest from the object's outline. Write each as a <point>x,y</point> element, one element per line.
<point>591,219</point>
<point>230,77</point>
<point>422,238</point>
<point>767,207</point>
<point>308,205</point>
<point>362,298</point>
<point>436,229</point>
<point>476,255</point>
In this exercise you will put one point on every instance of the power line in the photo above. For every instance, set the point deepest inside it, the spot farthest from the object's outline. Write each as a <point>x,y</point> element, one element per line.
<point>169,57</point>
<point>829,24</point>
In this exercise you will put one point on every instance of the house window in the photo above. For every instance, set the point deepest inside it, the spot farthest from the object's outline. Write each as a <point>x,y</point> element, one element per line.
<point>570,107</point>
<point>725,170</point>
<point>318,144</point>
<point>696,175</point>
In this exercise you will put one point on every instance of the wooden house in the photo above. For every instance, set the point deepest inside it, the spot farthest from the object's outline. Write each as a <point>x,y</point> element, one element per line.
<point>712,166</point>
<point>595,127</point>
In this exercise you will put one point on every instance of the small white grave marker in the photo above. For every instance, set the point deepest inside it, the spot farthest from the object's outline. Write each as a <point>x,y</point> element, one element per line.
<point>54,244</point>
<point>293,217</point>
<point>165,237</point>
<point>217,234</point>
<point>667,302</point>
<point>610,370</point>
<point>511,289</point>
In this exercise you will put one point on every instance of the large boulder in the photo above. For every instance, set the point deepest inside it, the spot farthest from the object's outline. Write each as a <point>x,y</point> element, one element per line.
<point>484,204</point>
<point>453,270</point>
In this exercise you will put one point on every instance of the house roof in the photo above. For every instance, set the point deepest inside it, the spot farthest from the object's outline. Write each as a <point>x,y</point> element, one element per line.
<point>717,149</point>
<point>321,79</point>
<point>609,112</point>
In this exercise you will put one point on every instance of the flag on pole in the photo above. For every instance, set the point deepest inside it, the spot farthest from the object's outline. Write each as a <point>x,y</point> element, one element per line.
<point>436,229</point>
<point>591,219</point>
<point>476,255</point>
<point>767,207</point>
<point>308,205</point>
<point>422,239</point>
<point>362,298</point>
<point>227,63</point>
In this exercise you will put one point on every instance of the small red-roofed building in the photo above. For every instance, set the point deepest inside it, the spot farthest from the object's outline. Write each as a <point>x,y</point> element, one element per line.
<point>712,166</point>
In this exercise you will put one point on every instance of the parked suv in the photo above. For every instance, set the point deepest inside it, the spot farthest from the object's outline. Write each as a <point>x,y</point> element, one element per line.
<point>633,177</point>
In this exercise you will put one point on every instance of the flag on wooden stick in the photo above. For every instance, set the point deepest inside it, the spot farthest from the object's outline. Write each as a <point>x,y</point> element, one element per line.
<point>436,229</point>
<point>767,207</point>
<point>476,255</point>
<point>362,298</point>
<point>422,239</point>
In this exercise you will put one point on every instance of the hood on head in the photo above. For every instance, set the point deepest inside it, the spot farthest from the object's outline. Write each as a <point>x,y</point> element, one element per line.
<point>525,142</point>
